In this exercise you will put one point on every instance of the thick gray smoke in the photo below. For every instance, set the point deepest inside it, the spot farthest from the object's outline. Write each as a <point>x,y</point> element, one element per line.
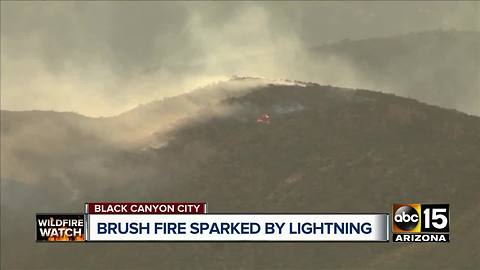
<point>102,58</point>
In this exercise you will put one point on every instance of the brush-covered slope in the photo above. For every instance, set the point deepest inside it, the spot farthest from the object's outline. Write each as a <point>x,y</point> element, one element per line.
<point>326,149</point>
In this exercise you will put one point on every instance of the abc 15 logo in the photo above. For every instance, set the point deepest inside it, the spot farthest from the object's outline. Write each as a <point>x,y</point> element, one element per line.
<point>421,218</point>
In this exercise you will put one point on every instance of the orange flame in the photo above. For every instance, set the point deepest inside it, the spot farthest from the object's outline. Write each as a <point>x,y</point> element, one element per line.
<point>64,237</point>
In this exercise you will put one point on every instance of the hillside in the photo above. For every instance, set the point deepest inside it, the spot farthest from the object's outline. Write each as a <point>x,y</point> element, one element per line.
<point>326,149</point>
<point>437,67</point>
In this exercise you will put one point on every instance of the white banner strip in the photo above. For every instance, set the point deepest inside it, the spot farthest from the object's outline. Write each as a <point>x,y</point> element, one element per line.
<point>239,227</point>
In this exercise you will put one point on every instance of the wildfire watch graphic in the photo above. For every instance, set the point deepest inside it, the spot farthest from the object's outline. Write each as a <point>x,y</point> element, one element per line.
<point>60,227</point>
<point>421,223</point>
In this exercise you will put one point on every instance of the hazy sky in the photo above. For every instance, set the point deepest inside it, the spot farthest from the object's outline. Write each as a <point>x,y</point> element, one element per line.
<point>101,58</point>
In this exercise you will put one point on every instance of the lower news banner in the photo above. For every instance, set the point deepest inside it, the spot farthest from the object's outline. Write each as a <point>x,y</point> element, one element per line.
<point>60,227</point>
<point>238,227</point>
